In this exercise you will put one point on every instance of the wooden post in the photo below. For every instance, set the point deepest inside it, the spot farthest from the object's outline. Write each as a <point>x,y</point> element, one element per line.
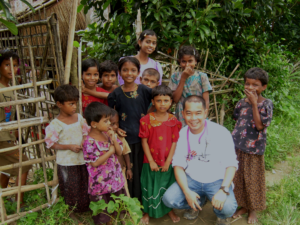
<point>79,78</point>
<point>74,77</point>
<point>138,22</point>
<point>70,42</point>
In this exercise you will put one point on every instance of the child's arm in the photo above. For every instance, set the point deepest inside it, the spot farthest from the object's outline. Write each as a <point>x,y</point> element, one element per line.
<point>205,95</point>
<point>256,116</point>
<point>185,75</point>
<point>102,159</point>
<point>146,149</point>
<point>115,143</point>
<point>128,167</point>
<point>168,161</point>
<point>73,148</point>
<point>96,94</point>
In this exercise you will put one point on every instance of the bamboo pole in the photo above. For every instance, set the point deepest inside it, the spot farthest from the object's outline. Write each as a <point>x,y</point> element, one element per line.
<point>74,68</point>
<point>24,123</point>
<point>236,67</point>
<point>79,78</point>
<point>37,8</point>
<point>222,114</point>
<point>206,58</point>
<point>23,86</point>
<point>38,114</point>
<point>19,102</point>
<point>70,42</point>
<point>138,23</point>
<point>23,146</point>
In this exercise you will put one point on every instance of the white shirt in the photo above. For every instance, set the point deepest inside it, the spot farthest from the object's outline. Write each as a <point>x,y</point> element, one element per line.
<point>216,152</point>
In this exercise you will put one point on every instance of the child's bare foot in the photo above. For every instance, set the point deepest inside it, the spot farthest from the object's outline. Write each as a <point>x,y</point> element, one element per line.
<point>174,217</point>
<point>252,219</point>
<point>239,212</point>
<point>145,219</point>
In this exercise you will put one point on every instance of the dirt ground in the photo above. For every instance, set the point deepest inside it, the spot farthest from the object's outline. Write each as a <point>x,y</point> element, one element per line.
<point>207,216</point>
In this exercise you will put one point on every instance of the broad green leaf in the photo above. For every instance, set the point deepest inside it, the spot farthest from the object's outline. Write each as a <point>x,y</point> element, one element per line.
<point>247,10</point>
<point>156,15</point>
<point>111,207</point>
<point>128,39</point>
<point>205,29</point>
<point>29,5</point>
<point>238,5</point>
<point>106,4</point>
<point>79,8</point>
<point>11,26</point>
<point>97,207</point>
<point>76,44</point>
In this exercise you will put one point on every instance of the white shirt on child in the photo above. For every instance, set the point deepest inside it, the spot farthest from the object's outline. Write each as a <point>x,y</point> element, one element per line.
<point>65,134</point>
<point>216,152</point>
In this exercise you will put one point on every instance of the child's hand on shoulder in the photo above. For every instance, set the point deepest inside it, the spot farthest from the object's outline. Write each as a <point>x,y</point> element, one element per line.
<point>153,166</point>
<point>129,174</point>
<point>188,71</point>
<point>121,132</point>
<point>75,148</point>
<point>251,97</point>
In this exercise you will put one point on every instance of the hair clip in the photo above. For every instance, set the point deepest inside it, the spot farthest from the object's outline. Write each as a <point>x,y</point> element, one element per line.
<point>194,51</point>
<point>145,35</point>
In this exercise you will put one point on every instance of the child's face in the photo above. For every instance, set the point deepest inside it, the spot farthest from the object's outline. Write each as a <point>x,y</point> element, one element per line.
<point>90,77</point>
<point>102,125</point>
<point>109,79</point>
<point>148,45</point>
<point>162,103</point>
<point>5,68</point>
<point>129,72</point>
<point>149,81</point>
<point>69,107</point>
<point>194,115</point>
<point>254,85</point>
<point>114,122</point>
<point>188,61</point>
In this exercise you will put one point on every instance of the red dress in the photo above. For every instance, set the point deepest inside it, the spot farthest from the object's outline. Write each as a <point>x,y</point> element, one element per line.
<point>160,136</point>
<point>86,100</point>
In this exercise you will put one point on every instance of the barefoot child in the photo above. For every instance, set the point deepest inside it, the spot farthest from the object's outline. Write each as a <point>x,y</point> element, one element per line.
<point>253,115</point>
<point>90,77</point>
<point>64,134</point>
<point>131,102</point>
<point>159,132</point>
<point>124,159</point>
<point>100,149</point>
<point>189,82</point>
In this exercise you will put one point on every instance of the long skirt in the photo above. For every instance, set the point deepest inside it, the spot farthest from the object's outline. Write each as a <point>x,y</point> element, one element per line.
<point>154,186</point>
<point>136,159</point>
<point>103,218</point>
<point>249,181</point>
<point>73,184</point>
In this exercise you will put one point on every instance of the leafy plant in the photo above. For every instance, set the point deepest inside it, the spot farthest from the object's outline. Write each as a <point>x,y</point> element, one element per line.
<point>121,203</point>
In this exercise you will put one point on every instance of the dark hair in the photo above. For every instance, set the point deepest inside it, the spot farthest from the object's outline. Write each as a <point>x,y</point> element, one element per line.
<point>95,111</point>
<point>162,90</point>
<point>114,112</point>
<point>257,74</point>
<point>143,35</point>
<point>65,93</point>
<point>86,64</point>
<point>107,66</point>
<point>188,50</point>
<point>6,54</point>
<point>194,98</point>
<point>151,72</point>
<point>131,59</point>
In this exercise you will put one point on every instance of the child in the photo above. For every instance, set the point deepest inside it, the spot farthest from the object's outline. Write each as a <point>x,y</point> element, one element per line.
<point>189,82</point>
<point>7,114</point>
<point>146,45</point>
<point>150,78</point>
<point>253,115</point>
<point>90,76</point>
<point>131,102</point>
<point>124,159</point>
<point>108,74</point>
<point>159,132</point>
<point>64,134</point>
<point>100,148</point>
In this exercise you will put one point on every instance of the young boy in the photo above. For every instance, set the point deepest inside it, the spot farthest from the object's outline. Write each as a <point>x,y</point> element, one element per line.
<point>150,78</point>
<point>7,114</point>
<point>124,159</point>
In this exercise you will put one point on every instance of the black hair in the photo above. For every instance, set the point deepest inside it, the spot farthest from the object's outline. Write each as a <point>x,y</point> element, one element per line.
<point>151,72</point>
<point>143,35</point>
<point>188,50</point>
<point>131,59</point>
<point>162,90</point>
<point>65,93</point>
<point>194,98</point>
<point>107,66</point>
<point>6,54</point>
<point>95,111</point>
<point>87,63</point>
<point>114,112</point>
<point>257,74</point>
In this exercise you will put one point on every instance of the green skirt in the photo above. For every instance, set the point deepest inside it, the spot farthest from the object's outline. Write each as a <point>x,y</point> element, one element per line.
<point>154,185</point>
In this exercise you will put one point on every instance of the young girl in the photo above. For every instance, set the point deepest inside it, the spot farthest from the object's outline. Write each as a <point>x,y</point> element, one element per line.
<point>100,148</point>
<point>64,134</point>
<point>90,77</point>
<point>131,102</point>
<point>159,132</point>
<point>189,82</point>
<point>145,46</point>
<point>253,115</point>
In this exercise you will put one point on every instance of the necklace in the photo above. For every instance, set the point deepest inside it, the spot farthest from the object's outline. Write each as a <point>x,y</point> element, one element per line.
<point>133,94</point>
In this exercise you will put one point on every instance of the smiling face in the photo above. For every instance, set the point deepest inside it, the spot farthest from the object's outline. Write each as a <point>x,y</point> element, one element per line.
<point>194,115</point>
<point>114,122</point>
<point>149,81</point>
<point>102,125</point>
<point>90,77</point>
<point>162,103</point>
<point>68,107</point>
<point>109,79</point>
<point>148,45</point>
<point>188,61</point>
<point>129,72</point>
<point>254,85</point>
<point>5,68</point>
